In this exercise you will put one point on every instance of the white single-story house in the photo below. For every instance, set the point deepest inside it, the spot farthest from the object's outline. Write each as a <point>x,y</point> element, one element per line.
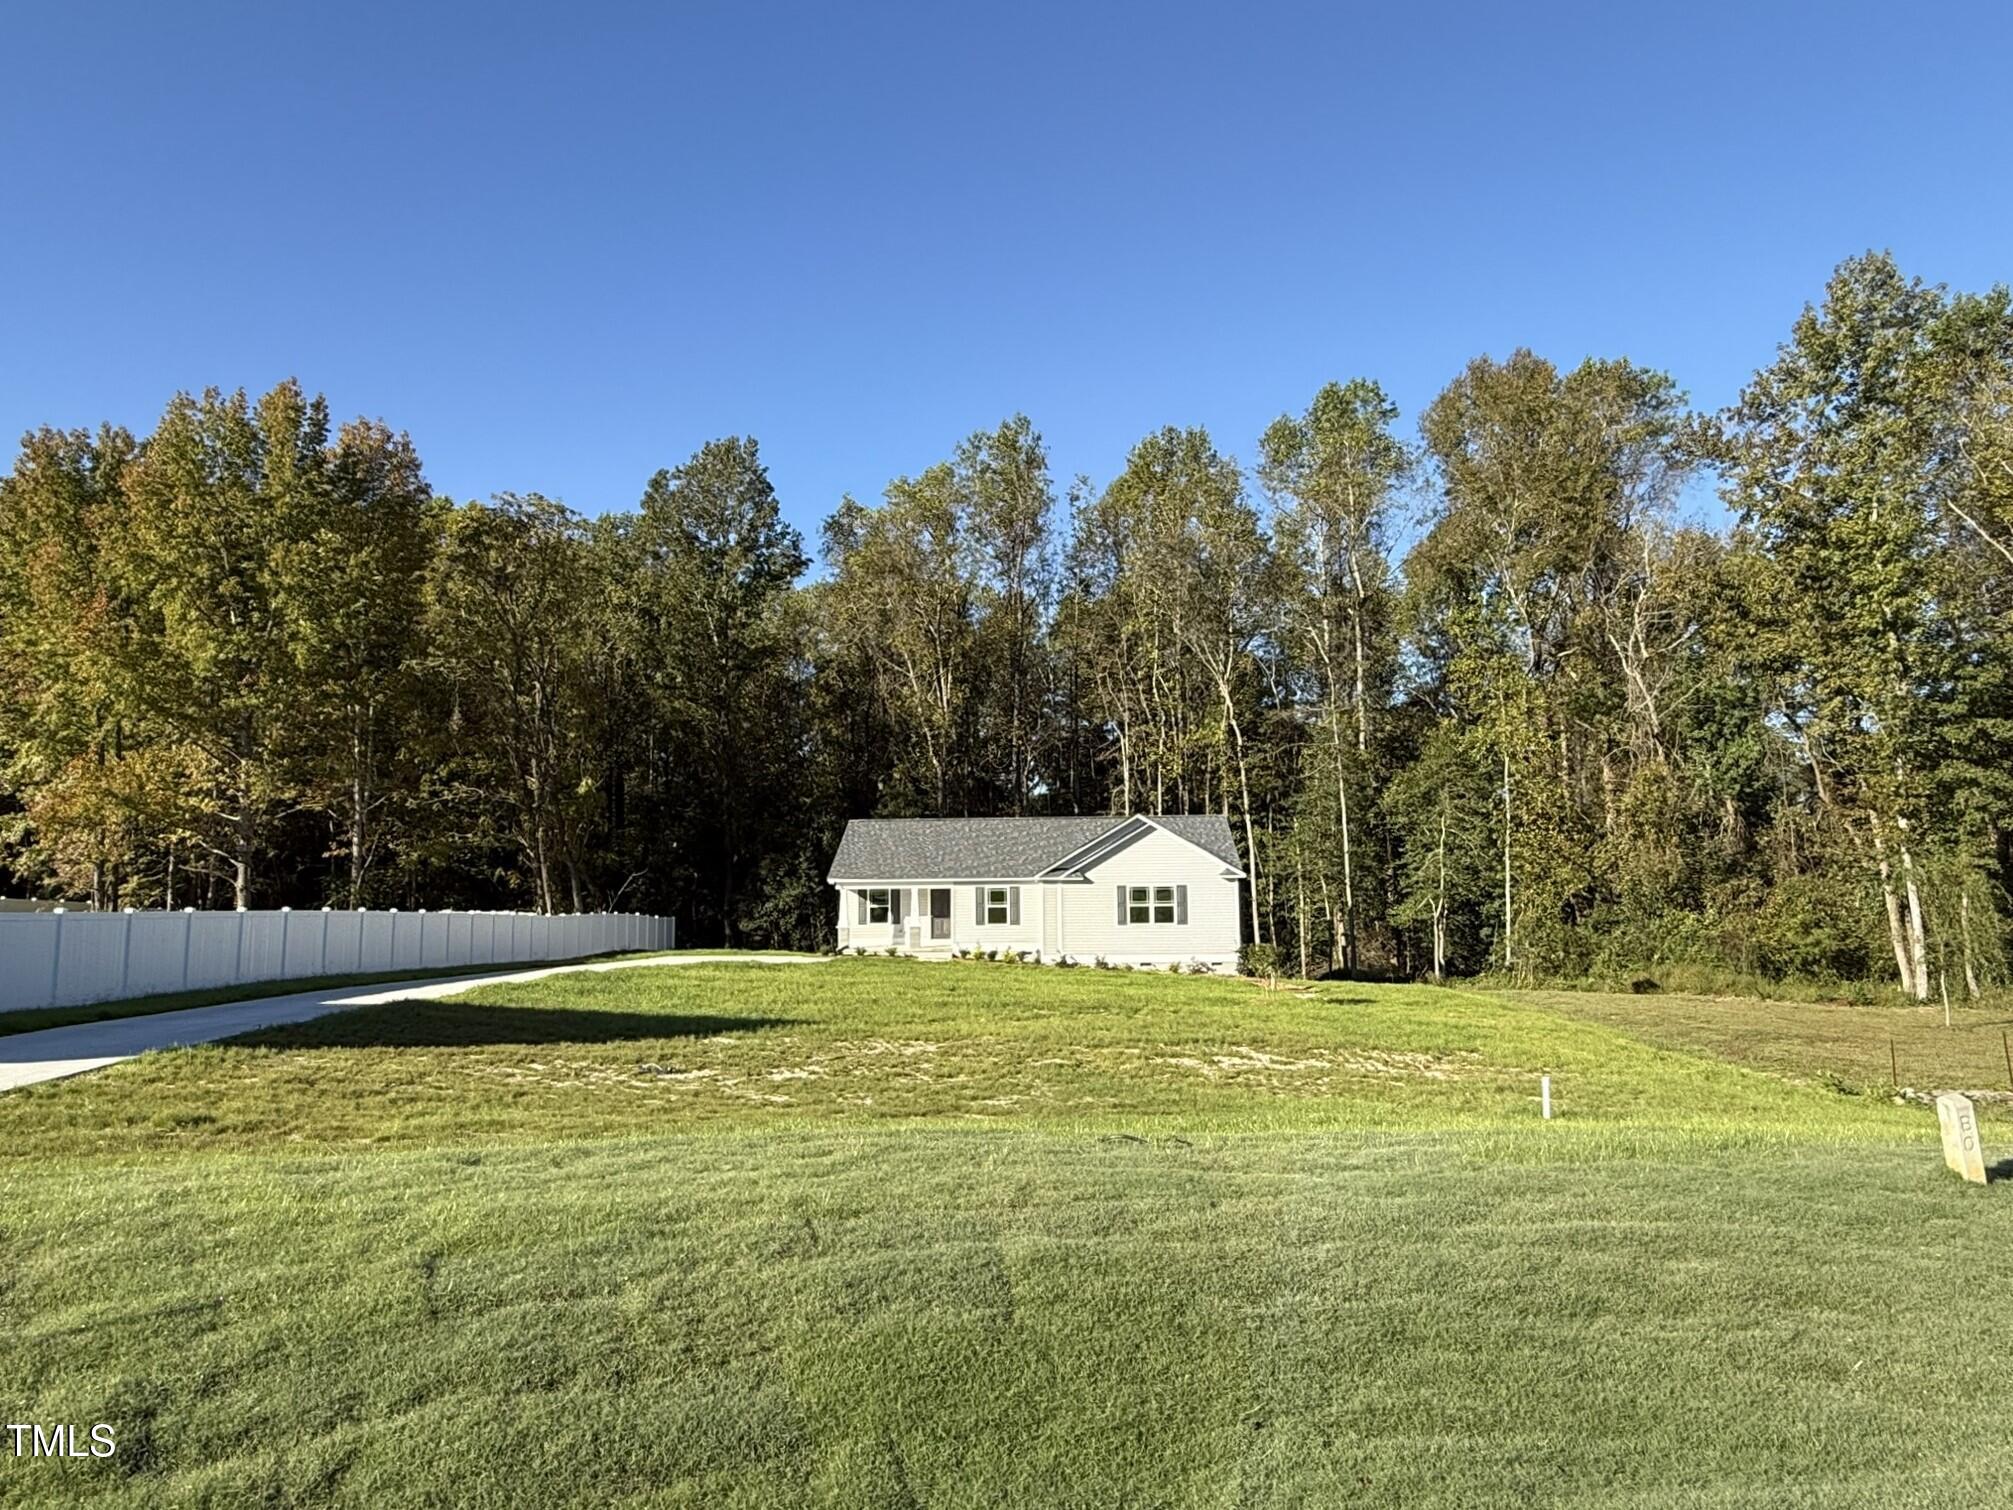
<point>1131,891</point>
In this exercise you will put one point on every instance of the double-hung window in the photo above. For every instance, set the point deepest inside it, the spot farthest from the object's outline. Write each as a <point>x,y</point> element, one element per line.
<point>1150,904</point>
<point>996,904</point>
<point>877,905</point>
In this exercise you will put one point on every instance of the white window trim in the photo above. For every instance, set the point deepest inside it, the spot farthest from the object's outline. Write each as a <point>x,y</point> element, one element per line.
<point>1152,906</point>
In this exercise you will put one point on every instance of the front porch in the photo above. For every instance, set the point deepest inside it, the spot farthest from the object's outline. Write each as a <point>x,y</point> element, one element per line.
<point>909,920</point>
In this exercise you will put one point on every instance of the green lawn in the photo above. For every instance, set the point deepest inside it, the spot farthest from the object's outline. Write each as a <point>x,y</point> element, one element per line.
<point>882,1233</point>
<point>1864,1050</point>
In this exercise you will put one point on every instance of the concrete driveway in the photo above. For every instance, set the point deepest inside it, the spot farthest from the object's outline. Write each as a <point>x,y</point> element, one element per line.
<point>52,1053</point>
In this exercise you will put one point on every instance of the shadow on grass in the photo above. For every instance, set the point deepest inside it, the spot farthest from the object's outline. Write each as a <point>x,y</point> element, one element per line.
<point>449,1025</point>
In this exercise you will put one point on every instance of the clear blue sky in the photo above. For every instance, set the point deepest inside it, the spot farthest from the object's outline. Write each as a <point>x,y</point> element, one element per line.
<point>564,246</point>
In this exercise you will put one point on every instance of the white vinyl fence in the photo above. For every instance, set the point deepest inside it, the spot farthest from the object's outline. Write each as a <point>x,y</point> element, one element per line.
<point>60,959</point>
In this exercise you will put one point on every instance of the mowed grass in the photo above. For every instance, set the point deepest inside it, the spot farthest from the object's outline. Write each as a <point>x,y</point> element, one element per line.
<point>869,1043</point>
<point>1854,1049</point>
<point>877,1233</point>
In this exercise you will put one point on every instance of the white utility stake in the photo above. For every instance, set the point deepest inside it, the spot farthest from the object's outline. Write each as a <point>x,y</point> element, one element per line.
<point>1545,1091</point>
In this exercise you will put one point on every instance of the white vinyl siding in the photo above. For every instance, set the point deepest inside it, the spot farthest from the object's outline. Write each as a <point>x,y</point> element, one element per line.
<point>1096,919</point>
<point>1192,911</point>
<point>1000,916</point>
<point>911,929</point>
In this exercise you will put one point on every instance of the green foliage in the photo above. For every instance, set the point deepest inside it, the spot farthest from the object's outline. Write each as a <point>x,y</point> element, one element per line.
<point>1563,733</point>
<point>710,632</point>
<point>1816,926</point>
<point>508,605</point>
<point>1258,960</point>
<point>1875,590</point>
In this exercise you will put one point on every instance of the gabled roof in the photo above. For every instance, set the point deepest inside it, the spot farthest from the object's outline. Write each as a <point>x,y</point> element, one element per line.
<point>998,849</point>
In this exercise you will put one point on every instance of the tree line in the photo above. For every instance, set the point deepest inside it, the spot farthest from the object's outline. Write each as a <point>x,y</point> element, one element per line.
<point>1472,699</point>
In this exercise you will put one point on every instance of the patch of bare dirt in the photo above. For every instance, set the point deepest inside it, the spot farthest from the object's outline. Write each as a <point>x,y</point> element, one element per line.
<point>1245,1063</point>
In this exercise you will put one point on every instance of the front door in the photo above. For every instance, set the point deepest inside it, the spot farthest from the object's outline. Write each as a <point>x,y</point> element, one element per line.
<point>940,912</point>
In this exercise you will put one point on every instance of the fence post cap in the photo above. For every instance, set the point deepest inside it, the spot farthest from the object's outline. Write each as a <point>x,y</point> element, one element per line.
<point>129,911</point>
<point>188,909</point>
<point>59,909</point>
<point>328,909</point>
<point>286,909</point>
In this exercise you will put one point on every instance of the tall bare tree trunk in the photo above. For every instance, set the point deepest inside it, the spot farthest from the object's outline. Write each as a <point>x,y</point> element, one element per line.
<point>1334,923</point>
<point>1440,903</point>
<point>242,867</point>
<point>1337,747</point>
<point>1300,905</point>
<point>542,854</point>
<point>356,840</point>
<point>1508,957</point>
<point>1964,923</point>
<point>1362,659</point>
<point>1897,931</point>
<point>1244,792</point>
<point>363,761</point>
<point>1918,946</point>
<point>1125,767</point>
<point>1348,862</point>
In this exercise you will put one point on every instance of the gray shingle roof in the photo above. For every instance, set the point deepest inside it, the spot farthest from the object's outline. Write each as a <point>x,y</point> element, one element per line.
<point>985,849</point>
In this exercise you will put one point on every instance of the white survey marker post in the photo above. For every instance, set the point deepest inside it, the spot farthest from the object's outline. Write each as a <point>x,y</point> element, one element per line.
<point>1545,1094</point>
<point>1961,1148</point>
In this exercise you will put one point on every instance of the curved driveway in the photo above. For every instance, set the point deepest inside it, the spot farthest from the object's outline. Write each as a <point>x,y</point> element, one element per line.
<point>51,1053</point>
